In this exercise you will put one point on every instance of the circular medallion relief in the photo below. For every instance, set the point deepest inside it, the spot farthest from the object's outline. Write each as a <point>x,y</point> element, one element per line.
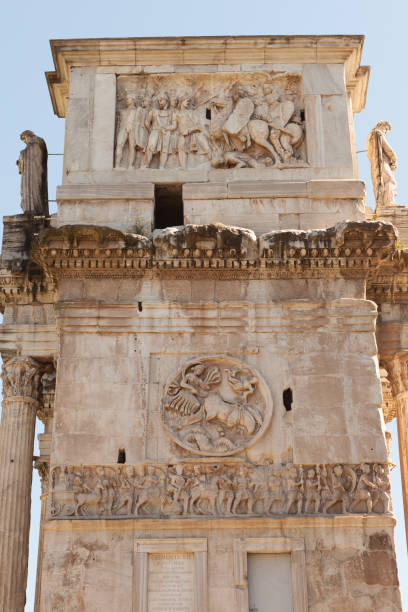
<point>216,405</point>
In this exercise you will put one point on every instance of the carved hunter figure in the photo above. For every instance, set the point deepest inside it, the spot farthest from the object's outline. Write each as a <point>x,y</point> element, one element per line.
<point>216,406</point>
<point>32,165</point>
<point>383,164</point>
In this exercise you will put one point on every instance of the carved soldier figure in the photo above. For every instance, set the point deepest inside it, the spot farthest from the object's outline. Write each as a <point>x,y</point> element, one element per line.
<point>125,490</point>
<point>225,494</point>
<point>126,131</point>
<point>339,493</point>
<point>161,123</point>
<point>178,487</point>
<point>364,489</point>
<point>312,491</point>
<point>242,492</point>
<point>382,484</point>
<point>274,490</point>
<point>140,130</point>
<point>276,114</point>
<point>32,165</point>
<point>187,130</point>
<point>294,489</point>
<point>383,163</point>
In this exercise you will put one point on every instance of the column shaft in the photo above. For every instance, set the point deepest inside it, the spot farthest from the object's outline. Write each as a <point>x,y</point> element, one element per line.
<point>16,456</point>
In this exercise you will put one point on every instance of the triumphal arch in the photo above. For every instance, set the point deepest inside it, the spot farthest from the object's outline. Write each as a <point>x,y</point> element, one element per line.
<point>201,328</point>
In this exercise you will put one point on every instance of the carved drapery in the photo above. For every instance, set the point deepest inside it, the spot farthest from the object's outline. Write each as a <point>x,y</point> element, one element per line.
<point>21,377</point>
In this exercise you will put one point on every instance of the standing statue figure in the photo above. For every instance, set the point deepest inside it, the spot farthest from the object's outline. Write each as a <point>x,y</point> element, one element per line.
<point>32,165</point>
<point>383,163</point>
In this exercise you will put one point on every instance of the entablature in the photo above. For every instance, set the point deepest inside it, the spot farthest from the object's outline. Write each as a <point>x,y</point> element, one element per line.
<point>206,50</point>
<point>347,250</point>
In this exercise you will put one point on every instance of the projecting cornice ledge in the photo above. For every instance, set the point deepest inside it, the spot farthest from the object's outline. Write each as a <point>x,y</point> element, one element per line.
<point>207,50</point>
<point>350,249</point>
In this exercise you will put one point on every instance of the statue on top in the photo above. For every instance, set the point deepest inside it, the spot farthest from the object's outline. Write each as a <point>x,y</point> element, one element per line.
<point>32,165</point>
<point>383,163</point>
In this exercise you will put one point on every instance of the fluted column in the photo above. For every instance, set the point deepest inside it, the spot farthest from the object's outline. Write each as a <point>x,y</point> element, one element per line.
<point>397,369</point>
<point>21,377</point>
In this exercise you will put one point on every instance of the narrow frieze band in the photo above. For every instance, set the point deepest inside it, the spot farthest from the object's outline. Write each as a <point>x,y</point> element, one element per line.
<point>212,488</point>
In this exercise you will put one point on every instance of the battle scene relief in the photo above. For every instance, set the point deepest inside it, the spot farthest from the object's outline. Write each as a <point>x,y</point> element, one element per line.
<point>216,406</point>
<point>224,120</point>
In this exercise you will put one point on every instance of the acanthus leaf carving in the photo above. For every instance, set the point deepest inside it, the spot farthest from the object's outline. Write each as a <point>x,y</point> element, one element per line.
<point>21,377</point>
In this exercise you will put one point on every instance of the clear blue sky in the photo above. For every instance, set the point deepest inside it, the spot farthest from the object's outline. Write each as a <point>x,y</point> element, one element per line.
<point>27,26</point>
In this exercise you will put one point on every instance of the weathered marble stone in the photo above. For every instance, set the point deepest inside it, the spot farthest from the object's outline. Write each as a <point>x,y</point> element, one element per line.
<point>202,312</point>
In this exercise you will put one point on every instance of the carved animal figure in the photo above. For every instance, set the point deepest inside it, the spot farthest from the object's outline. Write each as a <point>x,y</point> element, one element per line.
<point>150,494</point>
<point>90,501</point>
<point>204,492</point>
<point>233,415</point>
<point>204,442</point>
<point>195,382</point>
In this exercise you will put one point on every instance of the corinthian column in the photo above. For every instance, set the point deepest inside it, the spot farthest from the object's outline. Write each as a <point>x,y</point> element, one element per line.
<point>21,376</point>
<point>397,369</point>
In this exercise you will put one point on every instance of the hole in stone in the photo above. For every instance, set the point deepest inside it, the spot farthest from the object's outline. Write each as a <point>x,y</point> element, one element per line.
<point>168,206</point>
<point>287,397</point>
<point>208,113</point>
<point>122,455</point>
<point>302,115</point>
<point>140,306</point>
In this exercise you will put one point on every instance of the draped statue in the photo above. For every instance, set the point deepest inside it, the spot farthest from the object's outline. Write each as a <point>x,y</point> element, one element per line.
<point>383,163</point>
<point>32,165</point>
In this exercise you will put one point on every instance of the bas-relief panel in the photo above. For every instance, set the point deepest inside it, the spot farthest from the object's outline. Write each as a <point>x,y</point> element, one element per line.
<point>224,488</point>
<point>197,121</point>
<point>216,405</point>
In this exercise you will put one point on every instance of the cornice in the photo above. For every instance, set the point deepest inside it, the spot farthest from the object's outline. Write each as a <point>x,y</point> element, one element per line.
<point>351,249</point>
<point>388,284</point>
<point>205,50</point>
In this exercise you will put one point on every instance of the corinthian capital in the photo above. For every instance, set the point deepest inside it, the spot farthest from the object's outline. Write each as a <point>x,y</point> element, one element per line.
<point>21,377</point>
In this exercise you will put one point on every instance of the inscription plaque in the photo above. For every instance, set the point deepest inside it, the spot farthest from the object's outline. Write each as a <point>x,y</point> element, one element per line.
<point>170,582</point>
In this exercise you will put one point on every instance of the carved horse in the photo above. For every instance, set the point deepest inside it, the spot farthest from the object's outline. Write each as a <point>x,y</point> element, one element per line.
<point>204,492</point>
<point>233,415</point>
<point>91,500</point>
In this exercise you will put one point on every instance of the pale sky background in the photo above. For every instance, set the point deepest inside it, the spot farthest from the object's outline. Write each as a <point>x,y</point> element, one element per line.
<point>26,27</point>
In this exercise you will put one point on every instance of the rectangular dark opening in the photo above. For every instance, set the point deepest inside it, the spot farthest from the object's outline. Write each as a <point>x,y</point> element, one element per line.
<point>168,205</point>
<point>208,113</point>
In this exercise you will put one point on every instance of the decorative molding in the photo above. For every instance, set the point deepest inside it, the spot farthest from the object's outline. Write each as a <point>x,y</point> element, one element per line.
<point>188,51</point>
<point>351,249</point>
<point>210,488</point>
<point>46,410</point>
<point>43,468</point>
<point>21,378</point>
<point>21,281</point>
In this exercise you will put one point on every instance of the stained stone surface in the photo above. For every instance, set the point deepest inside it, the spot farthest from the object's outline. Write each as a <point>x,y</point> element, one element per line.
<point>217,401</point>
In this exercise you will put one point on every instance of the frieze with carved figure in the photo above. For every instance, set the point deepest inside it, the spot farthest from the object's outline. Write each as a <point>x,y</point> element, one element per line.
<point>209,488</point>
